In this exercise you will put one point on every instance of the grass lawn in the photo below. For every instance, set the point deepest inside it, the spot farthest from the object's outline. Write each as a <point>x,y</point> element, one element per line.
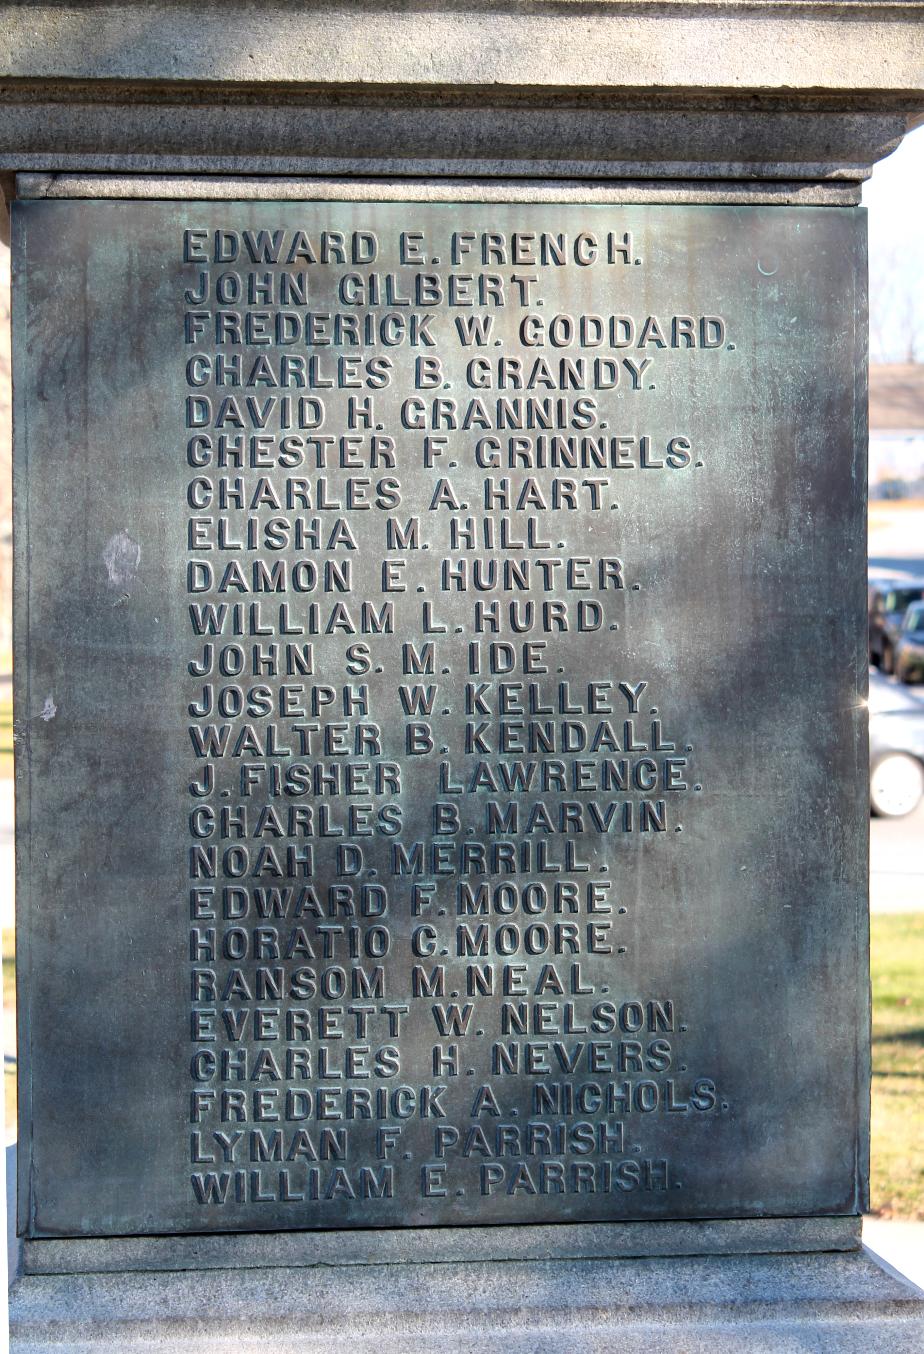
<point>6,737</point>
<point>897,1184</point>
<point>9,1000</point>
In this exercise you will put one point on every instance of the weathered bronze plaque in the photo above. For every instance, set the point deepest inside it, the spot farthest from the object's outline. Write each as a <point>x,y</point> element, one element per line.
<point>441,757</point>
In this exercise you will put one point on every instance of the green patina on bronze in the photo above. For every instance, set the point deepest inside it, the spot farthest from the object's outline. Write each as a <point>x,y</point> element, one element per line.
<point>568,910</point>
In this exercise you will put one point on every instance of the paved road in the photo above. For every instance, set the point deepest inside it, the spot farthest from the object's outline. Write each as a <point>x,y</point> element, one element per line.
<point>896,882</point>
<point>900,1244</point>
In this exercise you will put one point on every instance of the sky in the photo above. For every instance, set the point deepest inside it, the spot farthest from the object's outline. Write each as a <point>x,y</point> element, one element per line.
<point>894,197</point>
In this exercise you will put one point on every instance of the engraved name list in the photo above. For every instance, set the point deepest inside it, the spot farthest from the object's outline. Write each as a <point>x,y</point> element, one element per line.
<point>429,754</point>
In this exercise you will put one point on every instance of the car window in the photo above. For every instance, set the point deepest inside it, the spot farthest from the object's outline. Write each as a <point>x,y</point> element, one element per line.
<point>900,598</point>
<point>914,619</point>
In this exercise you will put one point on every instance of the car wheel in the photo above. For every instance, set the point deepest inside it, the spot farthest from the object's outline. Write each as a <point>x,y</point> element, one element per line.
<point>896,785</point>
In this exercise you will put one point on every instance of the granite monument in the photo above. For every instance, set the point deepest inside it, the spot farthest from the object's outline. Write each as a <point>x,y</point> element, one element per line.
<point>442,764</point>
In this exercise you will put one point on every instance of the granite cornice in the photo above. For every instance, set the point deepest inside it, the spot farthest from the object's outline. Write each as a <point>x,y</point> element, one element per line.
<point>747,45</point>
<point>784,90</point>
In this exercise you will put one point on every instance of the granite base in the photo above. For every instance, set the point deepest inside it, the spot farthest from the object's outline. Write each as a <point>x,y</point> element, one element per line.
<point>784,1304</point>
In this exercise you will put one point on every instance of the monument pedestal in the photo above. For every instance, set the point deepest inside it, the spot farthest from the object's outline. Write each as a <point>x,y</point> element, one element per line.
<point>775,1303</point>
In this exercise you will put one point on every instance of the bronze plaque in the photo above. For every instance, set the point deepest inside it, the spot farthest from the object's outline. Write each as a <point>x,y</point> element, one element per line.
<point>441,746</point>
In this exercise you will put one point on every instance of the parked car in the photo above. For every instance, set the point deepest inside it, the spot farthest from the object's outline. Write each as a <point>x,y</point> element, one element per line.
<point>909,648</point>
<point>896,746</point>
<point>888,602</point>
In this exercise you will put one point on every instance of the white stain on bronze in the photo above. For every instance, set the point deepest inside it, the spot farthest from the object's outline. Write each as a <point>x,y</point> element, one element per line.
<point>122,558</point>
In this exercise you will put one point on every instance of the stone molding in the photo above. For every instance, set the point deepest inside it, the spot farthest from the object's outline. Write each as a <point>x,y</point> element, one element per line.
<point>586,89</point>
<point>226,188</point>
<point>439,1245</point>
